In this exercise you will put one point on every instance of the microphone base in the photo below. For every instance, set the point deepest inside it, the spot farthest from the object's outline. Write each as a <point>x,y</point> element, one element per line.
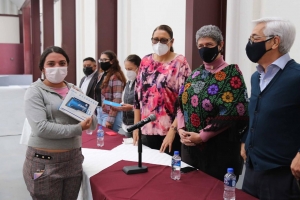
<point>135,169</point>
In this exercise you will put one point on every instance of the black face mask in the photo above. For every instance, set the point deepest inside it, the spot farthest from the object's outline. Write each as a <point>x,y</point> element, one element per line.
<point>105,65</point>
<point>256,50</point>
<point>88,71</point>
<point>209,54</point>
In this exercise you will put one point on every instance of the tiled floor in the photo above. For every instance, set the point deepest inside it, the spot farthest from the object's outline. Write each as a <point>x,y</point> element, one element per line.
<point>12,186</point>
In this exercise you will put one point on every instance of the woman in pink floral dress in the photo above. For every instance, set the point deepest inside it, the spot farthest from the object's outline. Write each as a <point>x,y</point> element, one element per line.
<point>160,77</point>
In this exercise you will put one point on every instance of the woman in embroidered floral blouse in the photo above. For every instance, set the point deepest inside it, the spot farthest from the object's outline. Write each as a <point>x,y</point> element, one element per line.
<point>158,83</point>
<point>213,109</point>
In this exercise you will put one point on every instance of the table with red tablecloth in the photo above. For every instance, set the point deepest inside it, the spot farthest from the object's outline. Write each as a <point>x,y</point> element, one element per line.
<point>110,141</point>
<point>113,183</point>
<point>105,179</point>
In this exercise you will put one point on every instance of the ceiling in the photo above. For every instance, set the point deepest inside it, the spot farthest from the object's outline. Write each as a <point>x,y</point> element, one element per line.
<point>18,3</point>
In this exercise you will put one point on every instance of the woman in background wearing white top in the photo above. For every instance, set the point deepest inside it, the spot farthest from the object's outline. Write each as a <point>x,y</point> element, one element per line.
<point>132,63</point>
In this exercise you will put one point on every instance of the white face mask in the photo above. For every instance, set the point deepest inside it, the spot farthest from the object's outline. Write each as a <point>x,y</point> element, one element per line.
<point>131,75</point>
<point>56,74</point>
<point>160,49</point>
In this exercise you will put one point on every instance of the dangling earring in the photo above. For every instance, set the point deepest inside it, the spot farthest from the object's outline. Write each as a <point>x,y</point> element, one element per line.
<point>42,76</point>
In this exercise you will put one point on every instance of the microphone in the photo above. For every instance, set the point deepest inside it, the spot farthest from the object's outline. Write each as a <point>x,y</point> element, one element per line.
<point>151,118</point>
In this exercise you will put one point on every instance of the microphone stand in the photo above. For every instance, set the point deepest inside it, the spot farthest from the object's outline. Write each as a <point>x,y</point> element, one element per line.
<point>137,169</point>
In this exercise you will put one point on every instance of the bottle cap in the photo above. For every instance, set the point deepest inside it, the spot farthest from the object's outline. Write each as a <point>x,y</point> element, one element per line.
<point>176,153</point>
<point>230,170</point>
<point>100,128</point>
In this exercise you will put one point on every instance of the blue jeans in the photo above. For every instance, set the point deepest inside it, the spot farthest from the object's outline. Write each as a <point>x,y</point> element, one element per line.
<point>102,117</point>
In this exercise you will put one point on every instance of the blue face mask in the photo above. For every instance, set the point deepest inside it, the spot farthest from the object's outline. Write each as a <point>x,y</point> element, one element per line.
<point>256,50</point>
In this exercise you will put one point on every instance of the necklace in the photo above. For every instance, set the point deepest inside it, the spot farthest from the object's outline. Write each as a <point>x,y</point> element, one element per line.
<point>212,69</point>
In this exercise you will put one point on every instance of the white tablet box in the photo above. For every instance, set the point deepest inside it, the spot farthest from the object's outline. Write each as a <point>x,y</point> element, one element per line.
<point>78,105</point>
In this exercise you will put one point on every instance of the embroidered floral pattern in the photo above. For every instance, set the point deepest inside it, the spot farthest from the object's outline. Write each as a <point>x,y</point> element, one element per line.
<point>227,97</point>
<point>195,74</point>
<point>235,82</point>
<point>194,101</point>
<point>198,86</point>
<point>195,120</point>
<point>223,110</point>
<point>207,105</point>
<point>184,97</point>
<point>204,74</point>
<point>186,117</point>
<point>213,89</point>
<point>240,109</point>
<point>207,96</point>
<point>181,90</point>
<point>220,76</point>
<point>187,86</point>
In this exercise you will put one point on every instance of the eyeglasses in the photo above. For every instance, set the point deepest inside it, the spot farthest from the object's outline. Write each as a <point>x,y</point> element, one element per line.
<point>103,60</point>
<point>258,38</point>
<point>161,40</point>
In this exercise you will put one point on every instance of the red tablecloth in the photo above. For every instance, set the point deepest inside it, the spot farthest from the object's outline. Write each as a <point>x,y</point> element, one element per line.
<point>110,142</point>
<point>113,184</point>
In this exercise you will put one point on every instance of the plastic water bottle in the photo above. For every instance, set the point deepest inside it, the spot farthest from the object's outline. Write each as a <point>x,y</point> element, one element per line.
<point>100,137</point>
<point>175,165</point>
<point>229,185</point>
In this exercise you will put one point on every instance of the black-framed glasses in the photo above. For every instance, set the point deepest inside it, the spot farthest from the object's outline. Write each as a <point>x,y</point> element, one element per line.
<point>103,60</point>
<point>161,40</point>
<point>257,38</point>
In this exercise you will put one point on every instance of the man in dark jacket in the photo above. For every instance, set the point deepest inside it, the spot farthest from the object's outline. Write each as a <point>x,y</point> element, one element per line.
<point>272,144</point>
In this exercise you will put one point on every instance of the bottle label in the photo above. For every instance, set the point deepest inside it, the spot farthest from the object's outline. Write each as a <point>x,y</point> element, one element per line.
<point>100,134</point>
<point>176,163</point>
<point>229,182</point>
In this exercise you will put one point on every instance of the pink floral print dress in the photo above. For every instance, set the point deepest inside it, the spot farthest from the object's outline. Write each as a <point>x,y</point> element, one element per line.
<point>157,89</point>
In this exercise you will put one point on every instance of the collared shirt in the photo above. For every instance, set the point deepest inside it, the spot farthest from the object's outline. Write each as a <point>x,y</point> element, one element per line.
<point>130,85</point>
<point>272,69</point>
<point>86,82</point>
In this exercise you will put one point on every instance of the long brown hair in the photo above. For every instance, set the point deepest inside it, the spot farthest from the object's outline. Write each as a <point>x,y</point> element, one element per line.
<point>115,69</point>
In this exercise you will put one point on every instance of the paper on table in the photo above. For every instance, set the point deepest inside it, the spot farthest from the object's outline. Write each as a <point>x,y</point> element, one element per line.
<point>97,160</point>
<point>127,140</point>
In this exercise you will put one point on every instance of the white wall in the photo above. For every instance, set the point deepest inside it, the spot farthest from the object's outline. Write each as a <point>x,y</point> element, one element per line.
<point>7,7</point>
<point>138,18</point>
<point>288,9</point>
<point>11,32</point>
<point>57,23</point>
<point>239,27</point>
<point>85,34</point>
